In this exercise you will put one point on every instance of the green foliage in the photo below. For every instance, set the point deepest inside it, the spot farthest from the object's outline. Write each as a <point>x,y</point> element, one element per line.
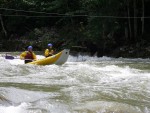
<point>76,22</point>
<point>99,28</point>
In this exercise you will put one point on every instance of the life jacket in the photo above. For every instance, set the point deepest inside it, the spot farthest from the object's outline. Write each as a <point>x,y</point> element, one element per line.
<point>29,55</point>
<point>48,53</point>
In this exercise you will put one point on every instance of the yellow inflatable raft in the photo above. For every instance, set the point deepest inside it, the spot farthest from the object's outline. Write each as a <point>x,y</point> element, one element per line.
<point>58,59</point>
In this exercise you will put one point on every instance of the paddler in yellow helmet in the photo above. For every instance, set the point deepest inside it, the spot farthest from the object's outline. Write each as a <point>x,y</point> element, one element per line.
<point>28,56</point>
<point>49,51</point>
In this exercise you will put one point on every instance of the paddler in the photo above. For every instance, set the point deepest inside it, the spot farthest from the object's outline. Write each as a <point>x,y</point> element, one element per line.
<point>28,56</point>
<point>49,51</point>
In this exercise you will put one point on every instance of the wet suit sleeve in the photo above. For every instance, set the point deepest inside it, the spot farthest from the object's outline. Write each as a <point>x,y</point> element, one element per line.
<point>46,52</point>
<point>34,56</point>
<point>22,55</point>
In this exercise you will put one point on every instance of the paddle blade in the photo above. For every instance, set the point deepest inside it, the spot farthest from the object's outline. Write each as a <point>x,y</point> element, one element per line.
<point>9,57</point>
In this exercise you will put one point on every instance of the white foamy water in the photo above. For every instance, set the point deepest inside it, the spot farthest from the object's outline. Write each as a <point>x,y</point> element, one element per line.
<point>14,109</point>
<point>82,85</point>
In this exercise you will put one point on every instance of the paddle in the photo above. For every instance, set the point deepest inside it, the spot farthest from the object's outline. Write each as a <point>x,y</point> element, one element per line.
<point>11,58</point>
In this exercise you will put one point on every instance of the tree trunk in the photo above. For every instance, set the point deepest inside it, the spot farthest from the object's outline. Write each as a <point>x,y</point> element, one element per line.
<point>3,28</point>
<point>104,38</point>
<point>126,32</point>
<point>143,11</point>
<point>129,21</point>
<point>135,19</point>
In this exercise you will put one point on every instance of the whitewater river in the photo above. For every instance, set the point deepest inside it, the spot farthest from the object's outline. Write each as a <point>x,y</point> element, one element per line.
<point>82,85</point>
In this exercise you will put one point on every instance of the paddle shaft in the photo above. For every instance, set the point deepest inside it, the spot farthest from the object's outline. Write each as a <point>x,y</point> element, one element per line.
<point>11,58</point>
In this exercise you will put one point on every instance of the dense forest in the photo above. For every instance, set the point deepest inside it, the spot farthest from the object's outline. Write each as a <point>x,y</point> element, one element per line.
<point>116,28</point>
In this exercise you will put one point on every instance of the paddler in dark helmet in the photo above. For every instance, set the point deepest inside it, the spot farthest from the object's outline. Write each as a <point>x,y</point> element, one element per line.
<point>28,56</point>
<point>49,51</point>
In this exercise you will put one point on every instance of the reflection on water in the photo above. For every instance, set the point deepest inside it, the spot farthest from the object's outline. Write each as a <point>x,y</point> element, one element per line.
<point>82,85</point>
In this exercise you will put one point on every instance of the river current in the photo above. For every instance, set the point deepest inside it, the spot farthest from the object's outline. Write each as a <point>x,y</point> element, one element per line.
<point>82,85</point>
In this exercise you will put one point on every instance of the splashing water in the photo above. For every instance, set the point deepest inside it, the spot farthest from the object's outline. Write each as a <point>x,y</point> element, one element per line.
<point>82,85</point>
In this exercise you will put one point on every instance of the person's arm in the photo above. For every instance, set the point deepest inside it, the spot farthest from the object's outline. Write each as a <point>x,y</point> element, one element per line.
<point>52,52</point>
<point>46,52</point>
<point>34,56</point>
<point>22,55</point>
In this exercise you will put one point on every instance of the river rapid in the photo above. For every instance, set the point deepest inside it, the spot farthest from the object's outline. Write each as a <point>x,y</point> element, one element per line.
<point>82,85</point>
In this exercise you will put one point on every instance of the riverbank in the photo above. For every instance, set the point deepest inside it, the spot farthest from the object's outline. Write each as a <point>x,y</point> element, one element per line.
<point>127,51</point>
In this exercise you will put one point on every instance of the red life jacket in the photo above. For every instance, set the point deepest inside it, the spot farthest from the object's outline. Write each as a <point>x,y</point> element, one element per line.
<point>29,55</point>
